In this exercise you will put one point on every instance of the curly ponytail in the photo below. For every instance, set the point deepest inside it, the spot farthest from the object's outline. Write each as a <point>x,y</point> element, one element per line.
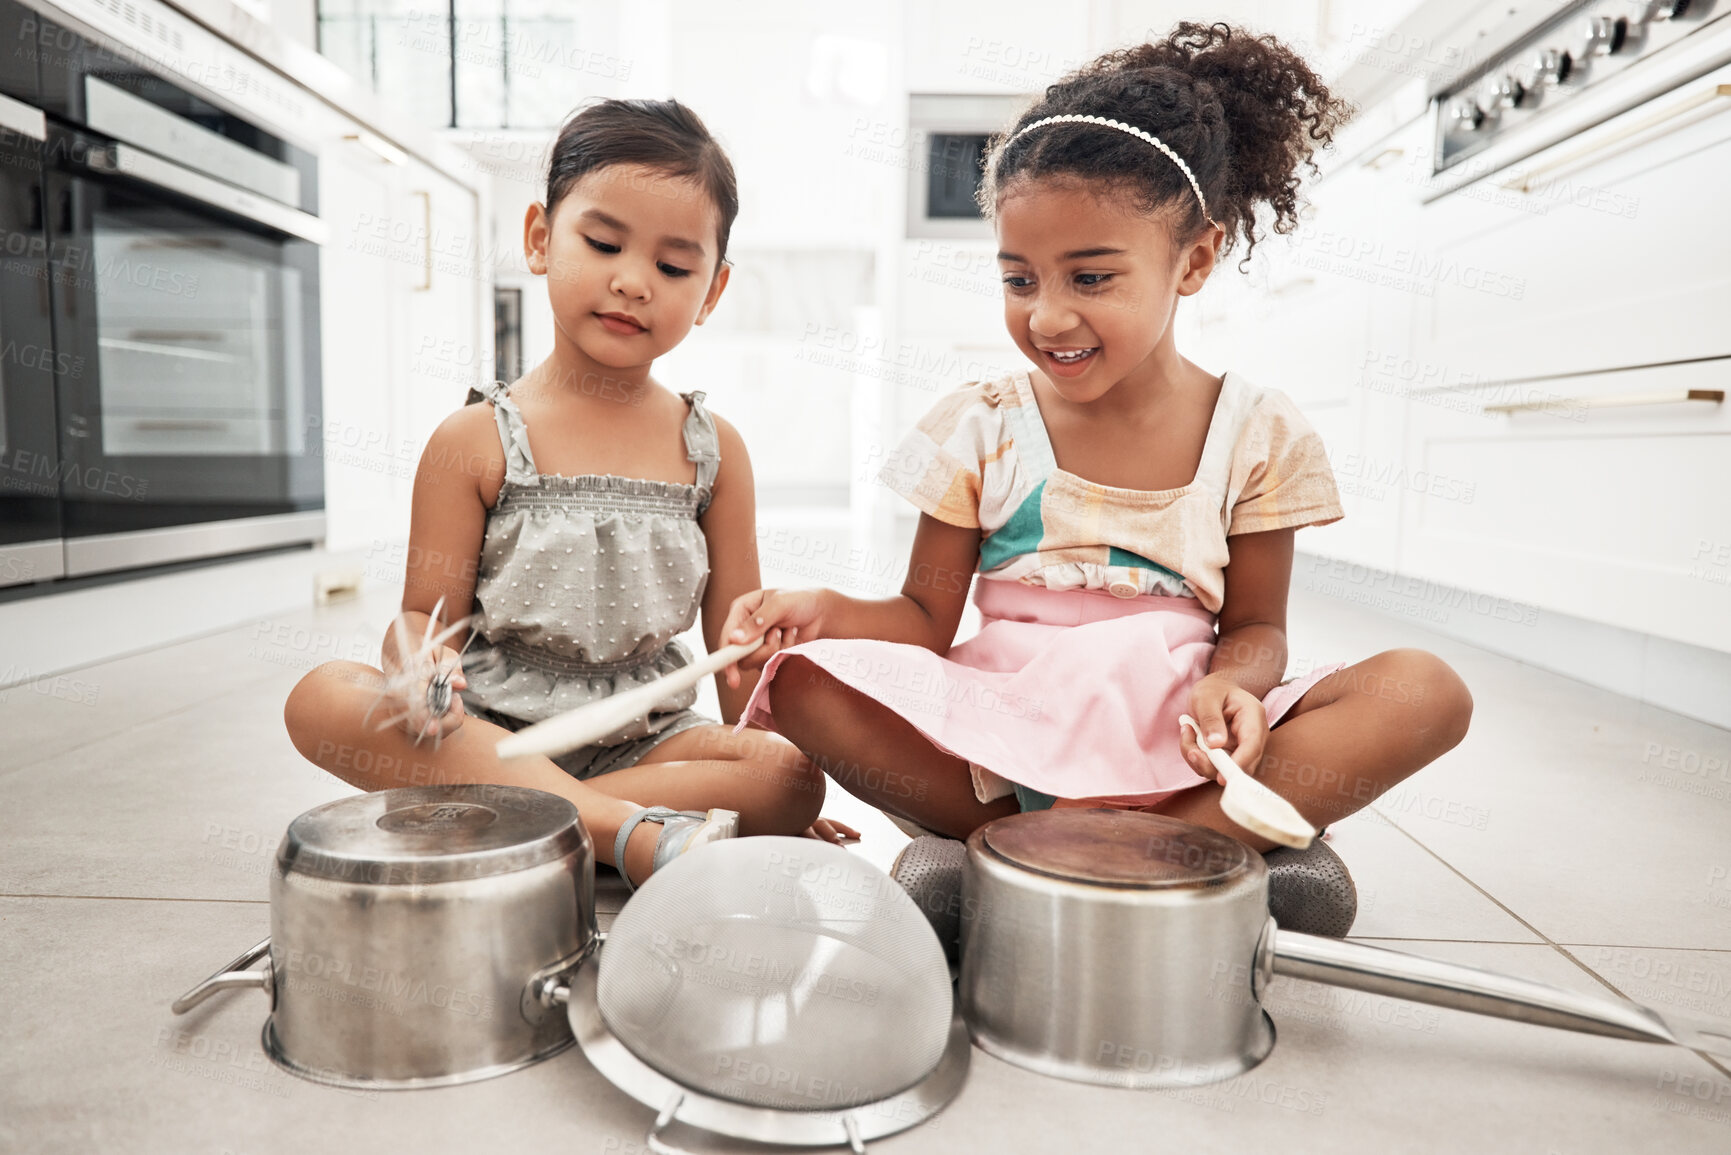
<point>1243,111</point>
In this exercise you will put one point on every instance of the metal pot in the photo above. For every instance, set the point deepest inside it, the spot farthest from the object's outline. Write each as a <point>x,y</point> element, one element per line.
<point>1130,950</point>
<point>416,932</point>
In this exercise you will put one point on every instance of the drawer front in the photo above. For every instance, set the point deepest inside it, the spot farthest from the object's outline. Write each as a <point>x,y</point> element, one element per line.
<point>1622,259</point>
<point>1619,514</point>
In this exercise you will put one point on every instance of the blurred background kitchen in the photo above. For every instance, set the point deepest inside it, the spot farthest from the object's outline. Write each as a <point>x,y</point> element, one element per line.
<point>253,251</point>
<point>256,251</point>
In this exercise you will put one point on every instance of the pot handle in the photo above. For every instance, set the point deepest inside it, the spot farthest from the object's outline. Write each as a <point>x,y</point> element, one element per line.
<point>654,1142</point>
<point>1482,992</point>
<point>235,974</point>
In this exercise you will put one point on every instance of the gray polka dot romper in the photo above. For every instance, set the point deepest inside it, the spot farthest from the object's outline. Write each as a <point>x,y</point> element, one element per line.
<point>583,584</point>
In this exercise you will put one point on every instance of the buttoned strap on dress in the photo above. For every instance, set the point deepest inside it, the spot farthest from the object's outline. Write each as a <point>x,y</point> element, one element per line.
<point>583,586</point>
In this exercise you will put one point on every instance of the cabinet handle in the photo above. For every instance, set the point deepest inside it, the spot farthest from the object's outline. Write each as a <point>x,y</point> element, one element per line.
<point>1614,401</point>
<point>22,118</point>
<point>1618,141</point>
<point>379,147</point>
<point>426,239</point>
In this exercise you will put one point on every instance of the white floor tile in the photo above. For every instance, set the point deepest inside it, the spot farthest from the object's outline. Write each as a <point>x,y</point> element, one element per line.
<point>1570,814</point>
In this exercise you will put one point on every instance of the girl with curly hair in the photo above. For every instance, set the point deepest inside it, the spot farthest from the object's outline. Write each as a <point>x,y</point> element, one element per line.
<point>1130,515</point>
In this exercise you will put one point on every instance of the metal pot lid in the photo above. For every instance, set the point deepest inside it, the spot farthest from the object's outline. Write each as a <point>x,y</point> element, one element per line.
<point>1122,848</point>
<point>429,834</point>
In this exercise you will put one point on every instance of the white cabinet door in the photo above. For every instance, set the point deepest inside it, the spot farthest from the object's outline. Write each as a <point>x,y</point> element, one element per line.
<point>358,295</point>
<point>1619,514</point>
<point>1324,315</point>
<point>446,289</point>
<point>403,290</point>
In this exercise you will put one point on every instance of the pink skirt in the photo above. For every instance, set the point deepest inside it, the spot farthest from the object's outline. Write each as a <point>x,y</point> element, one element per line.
<point>1074,693</point>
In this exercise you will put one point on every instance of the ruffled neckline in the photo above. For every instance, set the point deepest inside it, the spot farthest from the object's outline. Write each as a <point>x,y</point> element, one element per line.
<point>612,482</point>
<point>703,448</point>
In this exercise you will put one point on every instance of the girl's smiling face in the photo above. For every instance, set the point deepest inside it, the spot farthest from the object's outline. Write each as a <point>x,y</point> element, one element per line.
<point>1091,284</point>
<point>630,255</point>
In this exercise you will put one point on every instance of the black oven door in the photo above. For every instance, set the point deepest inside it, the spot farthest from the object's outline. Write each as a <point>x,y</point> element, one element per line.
<point>30,549</point>
<point>185,314</point>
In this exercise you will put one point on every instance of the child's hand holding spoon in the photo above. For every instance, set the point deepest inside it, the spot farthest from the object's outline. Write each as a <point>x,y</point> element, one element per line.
<point>1251,804</point>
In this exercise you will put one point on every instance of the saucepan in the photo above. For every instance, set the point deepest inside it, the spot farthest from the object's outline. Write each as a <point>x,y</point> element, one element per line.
<point>1132,950</point>
<point>414,933</point>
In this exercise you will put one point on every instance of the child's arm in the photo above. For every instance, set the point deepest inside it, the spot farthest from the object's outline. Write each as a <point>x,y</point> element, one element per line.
<point>940,568</point>
<point>447,521</point>
<point>730,528</point>
<point>1250,652</point>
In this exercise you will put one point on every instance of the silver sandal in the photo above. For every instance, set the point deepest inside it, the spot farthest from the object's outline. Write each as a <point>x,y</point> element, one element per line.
<point>681,830</point>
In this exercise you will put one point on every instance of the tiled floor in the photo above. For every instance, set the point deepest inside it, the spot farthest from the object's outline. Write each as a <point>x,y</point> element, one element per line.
<point>1568,840</point>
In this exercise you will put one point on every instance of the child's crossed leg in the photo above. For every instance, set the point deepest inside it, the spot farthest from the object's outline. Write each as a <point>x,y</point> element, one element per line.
<point>772,786</point>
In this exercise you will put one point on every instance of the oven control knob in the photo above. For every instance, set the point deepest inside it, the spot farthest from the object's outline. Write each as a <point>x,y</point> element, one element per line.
<point>1668,9</point>
<point>1553,67</point>
<point>1466,115</point>
<point>1605,36</point>
<point>1509,92</point>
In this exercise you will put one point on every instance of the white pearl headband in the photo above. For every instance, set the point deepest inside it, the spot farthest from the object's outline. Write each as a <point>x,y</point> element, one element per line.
<point>1140,134</point>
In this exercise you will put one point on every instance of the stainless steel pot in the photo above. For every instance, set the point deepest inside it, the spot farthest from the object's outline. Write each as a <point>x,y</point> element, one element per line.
<point>416,932</point>
<point>1130,950</point>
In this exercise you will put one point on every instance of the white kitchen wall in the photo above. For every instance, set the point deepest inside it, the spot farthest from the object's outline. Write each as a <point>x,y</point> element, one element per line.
<point>785,87</point>
<point>296,20</point>
<point>830,303</point>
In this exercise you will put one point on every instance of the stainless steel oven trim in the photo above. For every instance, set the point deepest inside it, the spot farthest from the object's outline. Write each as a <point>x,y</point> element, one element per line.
<point>1668,76</point>
<point>113,111</point>
<point>1701,103</point>
<point>174,65</point>
<point>31,561</point>
<point>111,551</point>
<point>1497,41</point>
<point>140,165</point>
<point>21,117</point>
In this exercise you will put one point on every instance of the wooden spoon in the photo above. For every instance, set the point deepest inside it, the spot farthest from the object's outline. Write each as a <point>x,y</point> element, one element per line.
<point>1251,804</point>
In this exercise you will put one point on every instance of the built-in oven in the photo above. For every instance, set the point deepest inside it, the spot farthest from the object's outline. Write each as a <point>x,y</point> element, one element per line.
<point>30,535</point>
<point>945,146</point>
<point>1551,72</point>
<point>178,276</point>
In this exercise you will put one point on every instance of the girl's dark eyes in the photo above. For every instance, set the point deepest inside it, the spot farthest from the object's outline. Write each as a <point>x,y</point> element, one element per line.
<point>669,270</point>
<point>1083,280</point>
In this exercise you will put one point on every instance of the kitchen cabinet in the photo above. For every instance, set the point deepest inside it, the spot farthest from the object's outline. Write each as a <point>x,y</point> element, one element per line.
<point>1620,514</point>
<point>1406,330</point>
<point>406,289</point>
<point>362,339</point>
<point>1613,258</point>
<point>1324,315</point>
<point>1595,286</point>
<point>446,345</point>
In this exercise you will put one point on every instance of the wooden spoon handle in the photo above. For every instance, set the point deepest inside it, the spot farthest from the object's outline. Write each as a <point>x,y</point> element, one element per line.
<point>1221,760</point>
<point>584,724</point>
